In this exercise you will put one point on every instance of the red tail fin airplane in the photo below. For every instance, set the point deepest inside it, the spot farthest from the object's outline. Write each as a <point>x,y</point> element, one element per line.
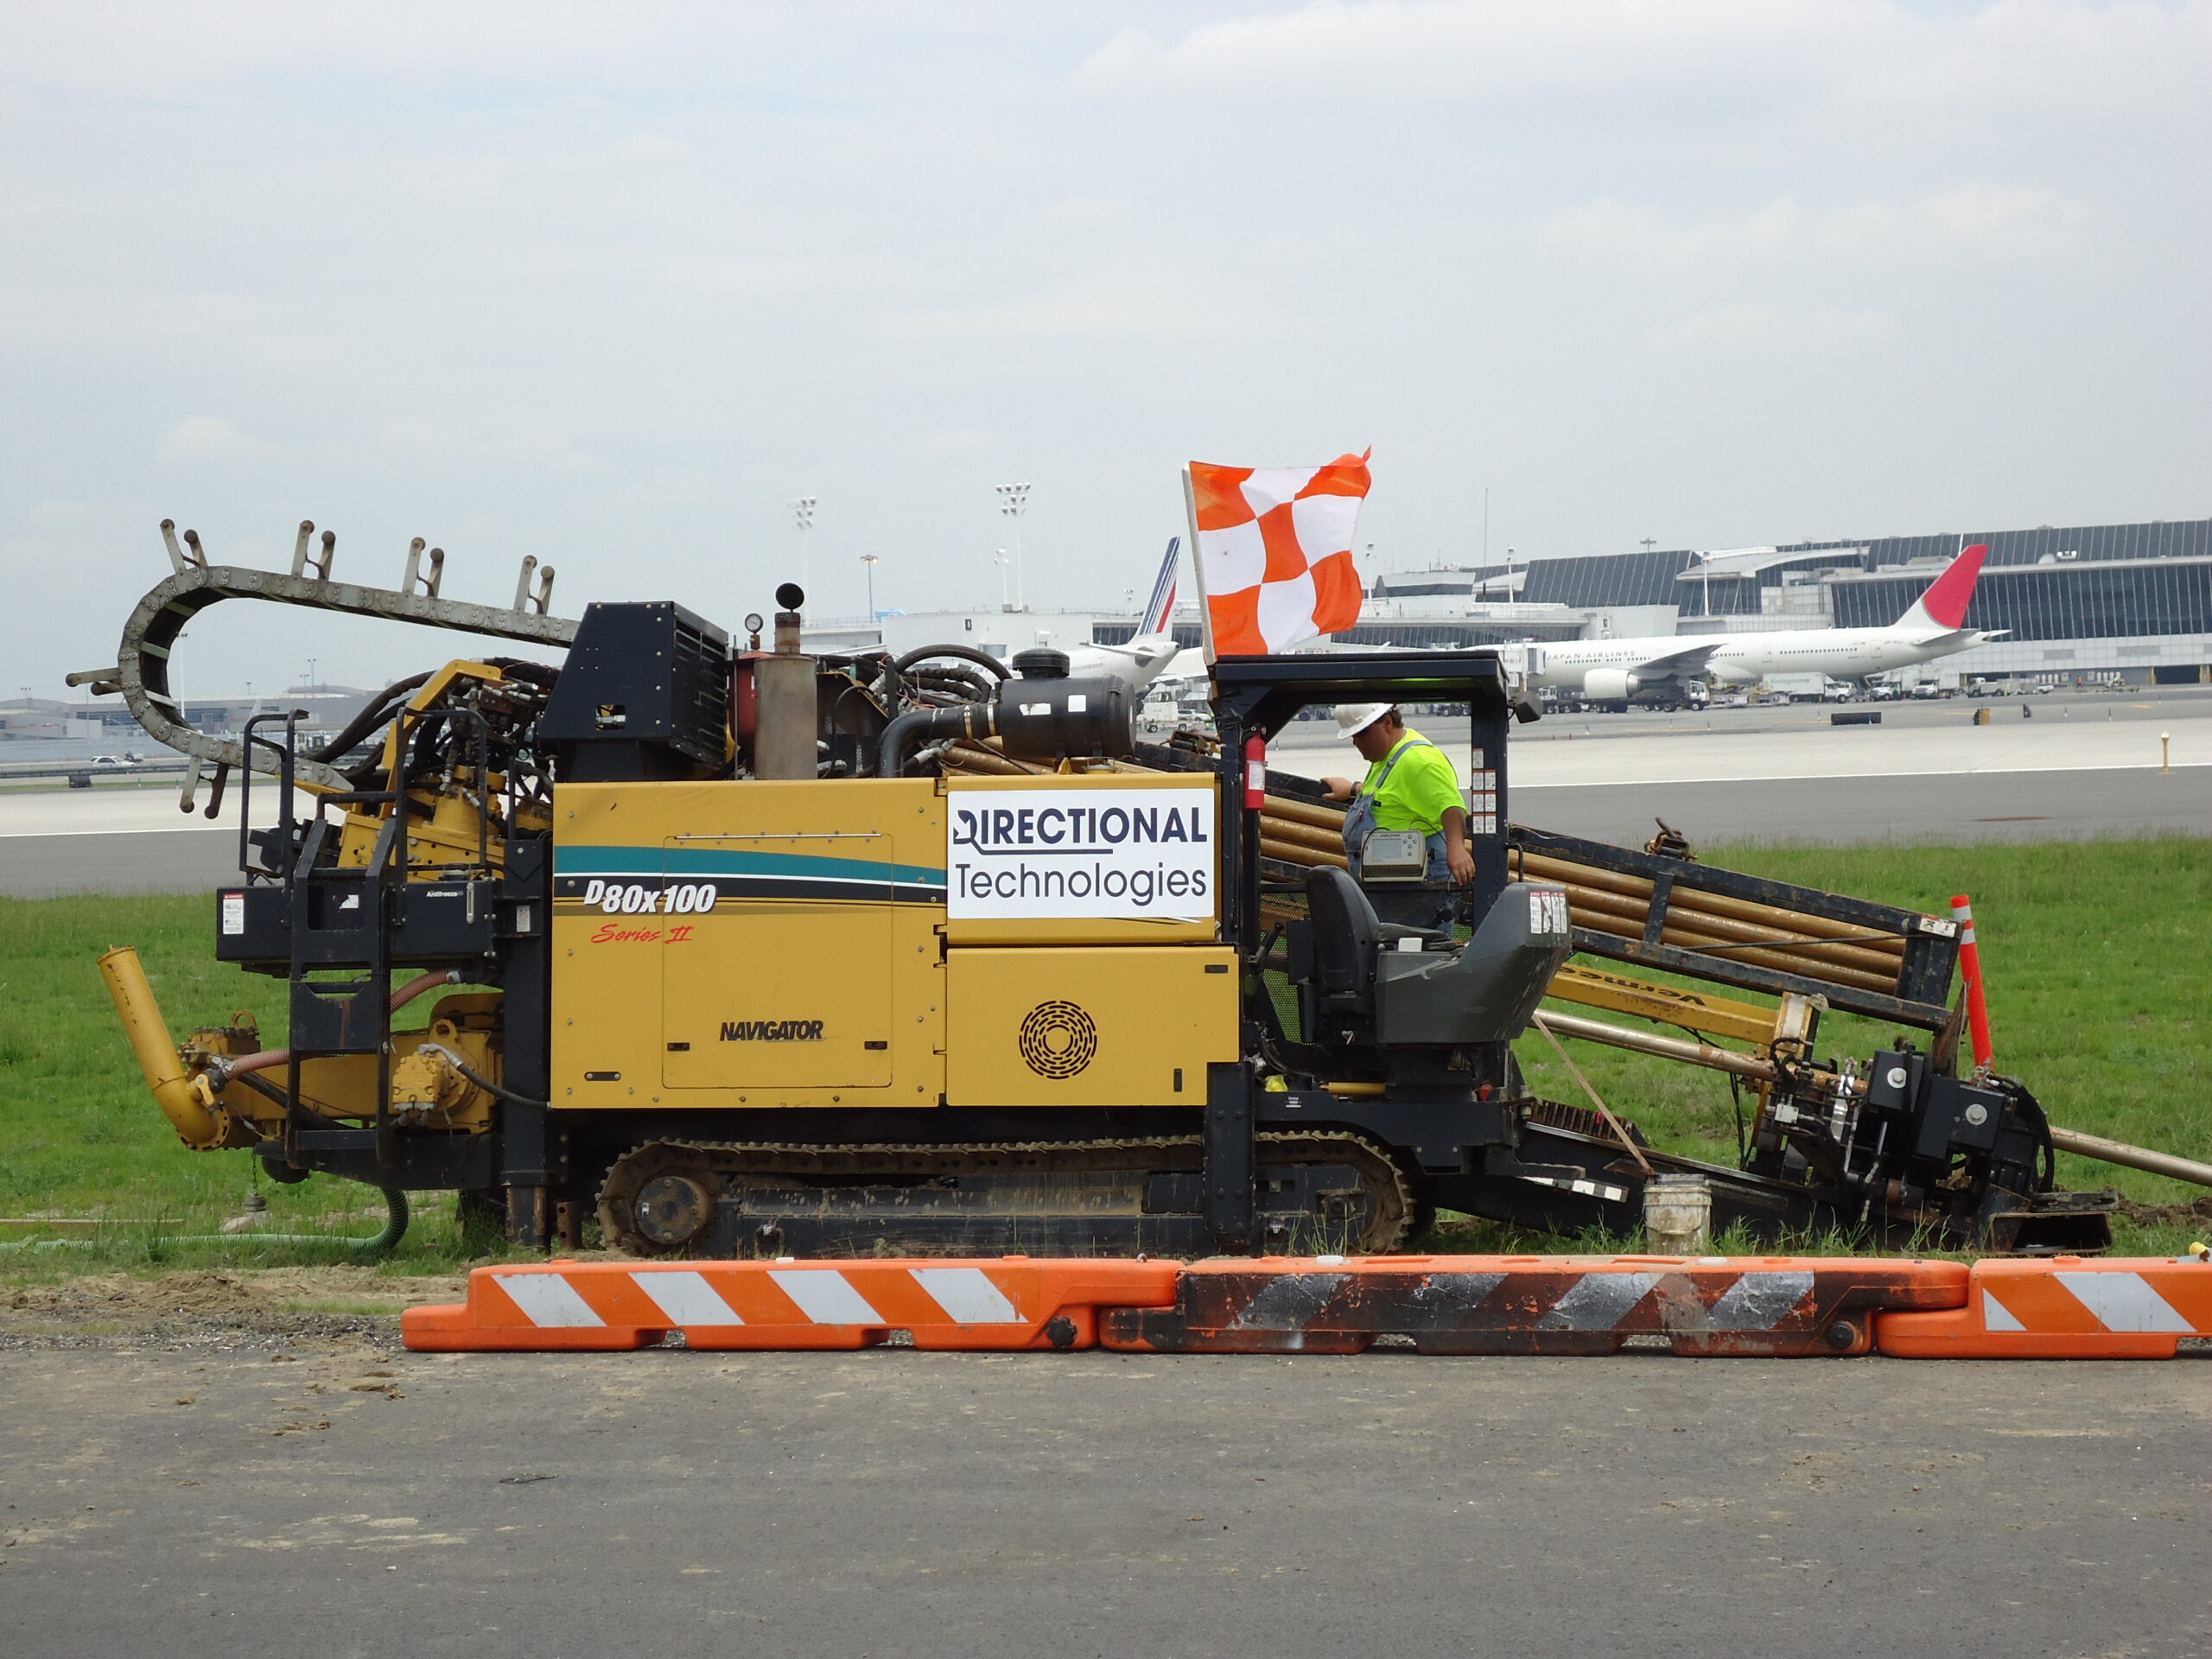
<point>1615,669</point>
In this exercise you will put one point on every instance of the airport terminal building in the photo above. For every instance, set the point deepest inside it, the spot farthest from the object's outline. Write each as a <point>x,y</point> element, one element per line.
<point>2102,600</point>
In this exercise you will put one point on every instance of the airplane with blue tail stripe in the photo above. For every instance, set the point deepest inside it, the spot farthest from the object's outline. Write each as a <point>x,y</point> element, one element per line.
<point>1151,653</point>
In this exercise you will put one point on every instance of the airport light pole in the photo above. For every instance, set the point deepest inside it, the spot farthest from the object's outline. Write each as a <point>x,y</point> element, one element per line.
<point>999,559</point>
<point>868,562</point>
<point>1014,501</point>
<point>803,521</point>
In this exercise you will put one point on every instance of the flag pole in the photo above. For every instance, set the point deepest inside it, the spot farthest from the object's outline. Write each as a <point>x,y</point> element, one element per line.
<point>1198,564</point>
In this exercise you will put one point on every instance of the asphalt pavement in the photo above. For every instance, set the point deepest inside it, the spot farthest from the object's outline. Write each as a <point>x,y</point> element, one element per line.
<point>1945,808</point>
<point>161,860</point>
<point>122,836</point>
<point>894,1502</point>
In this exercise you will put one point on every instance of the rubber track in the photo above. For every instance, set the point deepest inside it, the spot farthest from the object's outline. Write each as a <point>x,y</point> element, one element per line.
<point>628,1176</point>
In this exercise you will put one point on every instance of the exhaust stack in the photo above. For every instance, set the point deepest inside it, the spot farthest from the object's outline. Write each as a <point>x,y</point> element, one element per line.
<point>785,722</point>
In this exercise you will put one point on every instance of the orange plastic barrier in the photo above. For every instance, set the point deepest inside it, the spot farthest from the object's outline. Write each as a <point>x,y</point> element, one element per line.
<point>1772,1306</point>
<point>998,1303</point>
<point>2062,1307</point>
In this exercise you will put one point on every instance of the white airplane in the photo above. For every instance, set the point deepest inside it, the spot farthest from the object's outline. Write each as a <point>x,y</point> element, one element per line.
<point>1153,651</point>
<point>1612,671</point>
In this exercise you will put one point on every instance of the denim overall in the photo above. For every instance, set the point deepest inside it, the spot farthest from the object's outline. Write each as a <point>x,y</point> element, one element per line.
<point>1427,906</point>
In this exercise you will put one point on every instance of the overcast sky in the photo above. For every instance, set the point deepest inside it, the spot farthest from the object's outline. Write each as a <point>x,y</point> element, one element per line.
<point>611,283</point>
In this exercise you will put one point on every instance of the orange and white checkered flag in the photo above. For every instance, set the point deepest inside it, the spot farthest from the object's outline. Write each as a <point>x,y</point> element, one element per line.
<point>1273,551</point>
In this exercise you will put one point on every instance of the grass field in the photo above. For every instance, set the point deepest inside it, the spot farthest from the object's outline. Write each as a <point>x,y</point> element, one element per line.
<point>2098,956</point>
<point>80,1136</point>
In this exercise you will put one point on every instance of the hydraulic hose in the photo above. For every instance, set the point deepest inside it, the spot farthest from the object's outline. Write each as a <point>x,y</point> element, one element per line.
<point>966,653</point>
<point>222,1070</point>
<point>306,1116</point>
<point>956,683</point>
<point>477,1078</point>
<point>904,733</point>
<point>379,710</point>
<point>543,675</point>
<point>900,683</point>
<point>381,1243</point>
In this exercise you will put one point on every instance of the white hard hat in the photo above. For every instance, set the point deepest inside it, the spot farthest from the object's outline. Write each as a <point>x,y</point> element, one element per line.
<point>1353,718</point>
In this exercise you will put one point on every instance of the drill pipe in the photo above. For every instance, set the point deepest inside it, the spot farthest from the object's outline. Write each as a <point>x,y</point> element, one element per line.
<point>1622,927</point>
<point>1695,931</point>
<point>1698,918</point>
<point>1310,813</point>
<point>1301,834</point>
<point>1289,852</point>
<point>2119,1152</point>
<point>1665,1048</point>
<point>1639,887</point>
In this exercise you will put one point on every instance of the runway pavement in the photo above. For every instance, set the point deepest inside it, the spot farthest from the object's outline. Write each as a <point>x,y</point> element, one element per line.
<point>1801,740</point>
<point>118,838</point>
<point>169,861</point>
<point>894,1503</point>
<point>1929,809</point>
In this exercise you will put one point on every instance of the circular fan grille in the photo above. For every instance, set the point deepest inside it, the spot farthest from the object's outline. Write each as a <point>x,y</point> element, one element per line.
<point>1058,1040</point>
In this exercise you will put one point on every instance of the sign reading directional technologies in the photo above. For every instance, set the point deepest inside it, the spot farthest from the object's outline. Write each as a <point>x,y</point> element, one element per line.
<point>1047,854</point>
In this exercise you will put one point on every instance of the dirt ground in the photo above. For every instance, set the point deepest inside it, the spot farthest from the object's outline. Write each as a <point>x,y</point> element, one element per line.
<point>2196,1214</point>
<point>245,1308</point>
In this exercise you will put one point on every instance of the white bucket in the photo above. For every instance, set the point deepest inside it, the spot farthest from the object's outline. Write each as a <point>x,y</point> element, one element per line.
<point>1678,1214</point>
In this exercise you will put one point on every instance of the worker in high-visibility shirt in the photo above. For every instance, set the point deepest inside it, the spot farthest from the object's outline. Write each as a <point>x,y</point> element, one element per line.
<point>1409,784</point>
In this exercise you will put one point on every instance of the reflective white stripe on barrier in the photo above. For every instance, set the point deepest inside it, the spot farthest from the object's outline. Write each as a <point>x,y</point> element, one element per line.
<point>550,1301</point>
<point>968,1294</point>
<point>2119,1301</point>
<point>823,1295</point>
<point>686,1298</point>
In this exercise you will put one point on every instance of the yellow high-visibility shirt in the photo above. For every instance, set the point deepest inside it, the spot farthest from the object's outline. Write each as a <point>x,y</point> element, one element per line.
<point>1420,786</point>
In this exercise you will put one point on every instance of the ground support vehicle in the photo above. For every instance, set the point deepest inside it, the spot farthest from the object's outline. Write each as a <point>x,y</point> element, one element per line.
<point>748,952</point>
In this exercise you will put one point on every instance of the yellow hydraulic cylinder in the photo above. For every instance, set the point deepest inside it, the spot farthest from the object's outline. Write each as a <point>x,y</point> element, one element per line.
<point>200,1127</point>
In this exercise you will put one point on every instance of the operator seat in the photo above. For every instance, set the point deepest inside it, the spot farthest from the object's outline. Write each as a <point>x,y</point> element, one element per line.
<point>1481,990</point>
<point>1347,940</point>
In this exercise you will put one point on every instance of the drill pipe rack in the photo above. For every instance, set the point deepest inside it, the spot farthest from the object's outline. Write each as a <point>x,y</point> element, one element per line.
<point>1722,926</point>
